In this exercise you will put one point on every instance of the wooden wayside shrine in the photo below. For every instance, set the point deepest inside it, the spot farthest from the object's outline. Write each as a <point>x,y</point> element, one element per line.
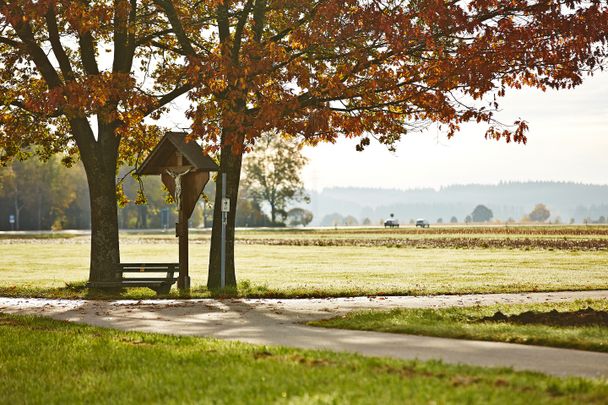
<point>184,169</point>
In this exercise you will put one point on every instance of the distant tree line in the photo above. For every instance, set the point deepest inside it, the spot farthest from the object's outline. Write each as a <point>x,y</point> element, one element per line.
<point>336,219</point>
<point>480,214</point>
<point>40,194</point>
<point>508,201</point>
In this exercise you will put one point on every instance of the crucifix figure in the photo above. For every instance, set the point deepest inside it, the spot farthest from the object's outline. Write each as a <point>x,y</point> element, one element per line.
<point>178,185</point>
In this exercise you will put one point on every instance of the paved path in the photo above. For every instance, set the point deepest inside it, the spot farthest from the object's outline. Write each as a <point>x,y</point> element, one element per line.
<point>280,322</point>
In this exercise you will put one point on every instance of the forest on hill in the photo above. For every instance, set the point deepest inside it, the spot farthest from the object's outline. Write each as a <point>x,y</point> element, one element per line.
<point>566,201</point>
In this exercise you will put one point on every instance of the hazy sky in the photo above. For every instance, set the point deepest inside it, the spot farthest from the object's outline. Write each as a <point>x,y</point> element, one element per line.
<point>568,140</point>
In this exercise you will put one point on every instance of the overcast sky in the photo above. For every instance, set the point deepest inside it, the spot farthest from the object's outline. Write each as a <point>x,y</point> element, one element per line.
<point>567,141</point>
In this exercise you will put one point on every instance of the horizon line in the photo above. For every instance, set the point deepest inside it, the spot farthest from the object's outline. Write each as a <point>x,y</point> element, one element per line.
<point>581,183</point>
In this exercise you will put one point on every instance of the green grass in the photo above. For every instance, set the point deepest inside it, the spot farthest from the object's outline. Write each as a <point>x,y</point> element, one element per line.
<point>464,323</point>
<point>43,267</point>
<point>49,362</point>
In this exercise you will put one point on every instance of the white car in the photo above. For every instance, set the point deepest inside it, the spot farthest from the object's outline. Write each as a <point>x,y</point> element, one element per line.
<point>423,223</point>
<point>391,223</point>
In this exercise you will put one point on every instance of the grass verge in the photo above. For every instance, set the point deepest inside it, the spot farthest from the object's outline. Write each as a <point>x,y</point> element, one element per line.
<point>46,361</point>
<point>466,323</point>
<point>245,289</point>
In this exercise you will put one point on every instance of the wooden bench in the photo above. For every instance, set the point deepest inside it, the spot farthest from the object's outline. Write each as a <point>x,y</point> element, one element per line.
<point>162,285</point>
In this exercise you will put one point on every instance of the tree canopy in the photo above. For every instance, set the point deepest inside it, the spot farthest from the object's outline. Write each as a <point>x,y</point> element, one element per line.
<point>299,216</point>
<point>326,68</point>
<point>272,174</point>
<point>71,70</point>
<point>540,213</point>
<point>481,213</point>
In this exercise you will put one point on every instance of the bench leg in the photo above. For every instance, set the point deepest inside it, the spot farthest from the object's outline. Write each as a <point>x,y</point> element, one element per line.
<point>163,289</point>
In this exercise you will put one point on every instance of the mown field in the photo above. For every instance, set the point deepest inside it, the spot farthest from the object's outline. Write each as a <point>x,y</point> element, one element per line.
<point>321,262</point>
<point>465,237</point>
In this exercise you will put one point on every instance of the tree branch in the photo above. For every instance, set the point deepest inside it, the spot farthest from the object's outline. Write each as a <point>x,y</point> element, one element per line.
<point>19,104</point>
<point>259,20</point>
<point>60,54</point>
<point>238,33</point>
<point>87,52</point>
<point>131,41</point>
<point>10,42</point>
<point>143,40</point>
<point>223,24</point>
<point>300,22</point>
<point>121,57</point>
<point>169,97</point>
<point>176,24</point>
<point>48,72</point>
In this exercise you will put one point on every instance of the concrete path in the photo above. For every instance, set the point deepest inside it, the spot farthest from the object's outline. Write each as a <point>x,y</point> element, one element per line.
<point>280,322</point>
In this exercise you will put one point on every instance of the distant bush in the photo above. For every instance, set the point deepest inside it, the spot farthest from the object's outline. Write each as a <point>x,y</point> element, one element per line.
<point>540,213</point>
<point>481,213</point>
<point>299,216</point>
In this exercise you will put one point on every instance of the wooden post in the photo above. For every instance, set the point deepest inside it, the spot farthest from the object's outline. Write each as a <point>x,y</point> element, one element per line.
<point>183,280</point>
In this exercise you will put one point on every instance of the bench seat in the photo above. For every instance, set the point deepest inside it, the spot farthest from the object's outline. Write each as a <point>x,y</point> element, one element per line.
<point>162,285</point>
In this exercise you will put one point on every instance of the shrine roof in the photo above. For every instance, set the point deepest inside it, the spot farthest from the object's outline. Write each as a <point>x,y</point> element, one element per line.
<point>163,156</point>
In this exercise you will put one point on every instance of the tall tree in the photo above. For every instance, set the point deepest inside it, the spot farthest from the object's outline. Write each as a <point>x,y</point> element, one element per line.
<point>249,212</point>
<point>540,213</point>
<point>373,68</point>
<point>481,213</point>
<point>272,174</point>
<point>300,216</point>
<point>81,76</point>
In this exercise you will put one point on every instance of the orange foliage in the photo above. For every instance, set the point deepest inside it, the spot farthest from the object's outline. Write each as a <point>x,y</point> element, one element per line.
<point>318,69</point>
<point>357,68</point>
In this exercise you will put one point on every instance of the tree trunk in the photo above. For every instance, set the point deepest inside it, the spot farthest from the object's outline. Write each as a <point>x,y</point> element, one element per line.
<point>231,165</point>
<point>142,217</point>
<point>17,213</point>
<point>105,254</point>
<point>39,208</point>
<point>100,167</point>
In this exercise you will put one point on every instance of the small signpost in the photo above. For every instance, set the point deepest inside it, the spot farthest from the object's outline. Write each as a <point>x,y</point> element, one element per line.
<point>11,220</point>
<point>184,169</point>
<point>164,218</point>
<point>225,211</point>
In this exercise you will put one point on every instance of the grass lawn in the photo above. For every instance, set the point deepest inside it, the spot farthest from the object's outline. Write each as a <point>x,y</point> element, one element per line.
<point>43,268</point>
<point>271,265</point>
<point>465,323</point>
<point>49,362</point>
